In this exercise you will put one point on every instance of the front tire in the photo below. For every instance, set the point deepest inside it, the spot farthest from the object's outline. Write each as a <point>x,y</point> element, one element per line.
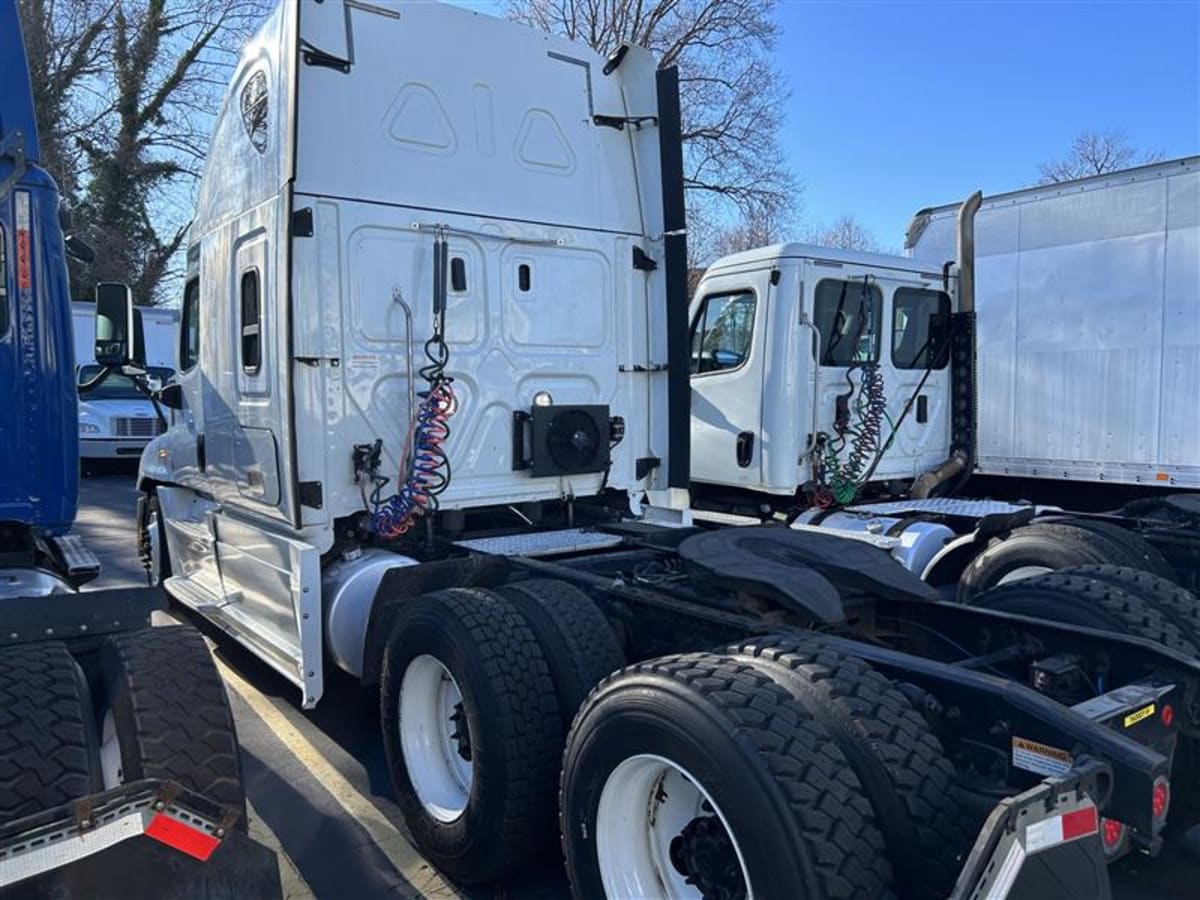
<point>698,775</point>
<point>471,731</point>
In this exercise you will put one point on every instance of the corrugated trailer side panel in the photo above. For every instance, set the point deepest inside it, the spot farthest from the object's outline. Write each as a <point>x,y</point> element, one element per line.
<point>1089,326</point>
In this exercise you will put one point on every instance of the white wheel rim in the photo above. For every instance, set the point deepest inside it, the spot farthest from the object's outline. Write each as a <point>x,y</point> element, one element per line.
<point>647,801</point>
<point>1022,572</point>
<point>431,709</point>
<point>110,753</point>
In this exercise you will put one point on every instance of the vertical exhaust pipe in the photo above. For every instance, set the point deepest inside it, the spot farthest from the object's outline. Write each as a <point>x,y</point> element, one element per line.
<point>966,251</point>
<point>963,404</point>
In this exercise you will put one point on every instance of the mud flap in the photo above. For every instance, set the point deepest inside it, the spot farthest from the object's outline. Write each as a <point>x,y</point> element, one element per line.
<point>147,839</point>
<point>1043,844</point>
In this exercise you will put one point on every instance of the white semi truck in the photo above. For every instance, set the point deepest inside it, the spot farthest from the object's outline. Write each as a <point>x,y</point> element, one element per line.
<point>434,432</point>
<point>116,419</point>
<point>859,392</point>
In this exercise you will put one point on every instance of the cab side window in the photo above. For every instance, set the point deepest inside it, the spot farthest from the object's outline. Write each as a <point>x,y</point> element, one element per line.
<point>722,332</point>
<point>920,325</point>
<point>847,315</point>
<point>189,334</point>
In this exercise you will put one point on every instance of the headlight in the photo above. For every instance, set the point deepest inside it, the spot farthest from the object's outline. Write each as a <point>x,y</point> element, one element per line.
<point>88,428</point>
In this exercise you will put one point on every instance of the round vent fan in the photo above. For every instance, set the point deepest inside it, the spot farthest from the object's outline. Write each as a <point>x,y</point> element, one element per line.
<point>573,440</point>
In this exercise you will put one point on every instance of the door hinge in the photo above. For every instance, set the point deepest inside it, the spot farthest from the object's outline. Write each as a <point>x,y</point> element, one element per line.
<point>642,261</point>
<point>311,494</point>
<point>302,222</point>
<point>619,122</point>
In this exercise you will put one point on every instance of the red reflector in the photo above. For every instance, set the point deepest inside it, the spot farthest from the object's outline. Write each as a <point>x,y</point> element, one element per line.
<point>182,837</point>
<point>1167,715</point>
<point>1111,832</point>
<point>1160,798</point>
<point>1078,823</point>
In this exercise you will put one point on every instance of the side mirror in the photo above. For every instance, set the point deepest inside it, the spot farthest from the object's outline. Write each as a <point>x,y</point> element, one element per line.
<point>78,248</point>
<point>118,325</point>
<point>171,395</point>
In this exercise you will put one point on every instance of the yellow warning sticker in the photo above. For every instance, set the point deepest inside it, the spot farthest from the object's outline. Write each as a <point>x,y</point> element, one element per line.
<point>1134,717</point>
<point>1040,758</point>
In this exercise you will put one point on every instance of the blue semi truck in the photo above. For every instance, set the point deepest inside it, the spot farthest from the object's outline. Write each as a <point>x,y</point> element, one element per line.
<point>119,767</point>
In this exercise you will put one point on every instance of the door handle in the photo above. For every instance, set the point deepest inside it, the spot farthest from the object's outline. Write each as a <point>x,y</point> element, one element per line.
<point>745,449</point>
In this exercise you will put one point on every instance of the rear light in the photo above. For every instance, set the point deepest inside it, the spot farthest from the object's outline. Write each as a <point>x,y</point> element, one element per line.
<point>1112,836</point>
<point>1160,798</point>
<point>1167,715</point>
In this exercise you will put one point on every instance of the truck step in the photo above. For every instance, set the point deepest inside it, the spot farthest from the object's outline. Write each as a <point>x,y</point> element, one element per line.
<point>542,543</point>
<point>80,562</point>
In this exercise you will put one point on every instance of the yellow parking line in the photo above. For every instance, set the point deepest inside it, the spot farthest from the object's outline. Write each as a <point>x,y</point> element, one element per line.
<point>419,873</point>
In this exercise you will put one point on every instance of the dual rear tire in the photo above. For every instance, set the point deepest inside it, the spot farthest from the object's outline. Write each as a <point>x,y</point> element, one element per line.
<point>772,768</point>
<point>154,708</point>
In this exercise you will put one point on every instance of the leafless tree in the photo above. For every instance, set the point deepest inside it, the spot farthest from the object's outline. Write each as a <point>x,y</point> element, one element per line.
<point>126,91</point>
<point>845,233</point>
<point>732,97</point>
<point>1094,153</point>
<point>66,44</point>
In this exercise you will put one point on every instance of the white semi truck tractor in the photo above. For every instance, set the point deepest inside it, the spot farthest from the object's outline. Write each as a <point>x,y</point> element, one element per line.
<point>1050,421</point>
<point>433,431</point>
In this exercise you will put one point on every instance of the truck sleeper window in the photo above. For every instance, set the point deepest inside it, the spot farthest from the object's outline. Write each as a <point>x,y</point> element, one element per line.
<point>722,332</point>
<point>920,323</point>
<point>189,337</point>
<point>847,315</point>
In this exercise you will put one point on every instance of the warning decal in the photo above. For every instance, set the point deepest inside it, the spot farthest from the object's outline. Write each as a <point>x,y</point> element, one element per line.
<point>1134,717</point>
<point>1034,757</point>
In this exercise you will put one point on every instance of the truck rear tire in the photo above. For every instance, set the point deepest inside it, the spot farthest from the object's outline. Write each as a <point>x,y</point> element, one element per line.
<point>163,713</point>
<point>699,773</point>
<point>1087,601</point>
<point>472,732</point>
<point>1037,549</point>
<point>579,645</point>
<point>899,762</point>
<point>48,742</point>
<point>1138,552</point>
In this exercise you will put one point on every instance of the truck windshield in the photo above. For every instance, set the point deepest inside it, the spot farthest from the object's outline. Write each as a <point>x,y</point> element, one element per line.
<point>120,387</point>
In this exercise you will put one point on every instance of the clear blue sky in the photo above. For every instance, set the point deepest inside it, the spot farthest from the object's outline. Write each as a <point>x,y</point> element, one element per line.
<point>896,106</point>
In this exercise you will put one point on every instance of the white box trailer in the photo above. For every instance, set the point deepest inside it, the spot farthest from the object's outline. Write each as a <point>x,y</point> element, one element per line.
<point>1088,318</point>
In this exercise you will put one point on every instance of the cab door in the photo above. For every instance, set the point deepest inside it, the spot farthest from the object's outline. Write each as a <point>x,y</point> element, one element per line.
<point>916,370</point>
<point>729,326</point>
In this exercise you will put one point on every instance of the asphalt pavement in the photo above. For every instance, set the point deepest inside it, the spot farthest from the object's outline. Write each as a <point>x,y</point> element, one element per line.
<point>318,786</point>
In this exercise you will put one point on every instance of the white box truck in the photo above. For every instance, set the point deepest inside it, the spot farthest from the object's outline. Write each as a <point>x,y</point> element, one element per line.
<point>116,419</point>
<point>434,432</point>
<point>871,394</point>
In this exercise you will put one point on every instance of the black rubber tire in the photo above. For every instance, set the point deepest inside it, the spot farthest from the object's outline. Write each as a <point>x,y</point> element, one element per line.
<point>513,720</point>
<point>579,645</point>
<point>1138,553</point>
<point>1089,602</point>
<point>791,800</point>
<point>901,765</point>
<point>48,742</point>
<point>171,713</point>
<point>1055,546</point>
<point>1176,603</point>
<point>152,506</point>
